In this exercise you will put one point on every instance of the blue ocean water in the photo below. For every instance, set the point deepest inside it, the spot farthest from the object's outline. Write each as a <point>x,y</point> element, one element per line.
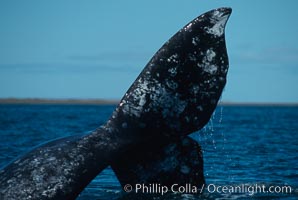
<point>242,145</point>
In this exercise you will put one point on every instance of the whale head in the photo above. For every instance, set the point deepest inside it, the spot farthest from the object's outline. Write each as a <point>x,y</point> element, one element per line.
<point>179,88</point>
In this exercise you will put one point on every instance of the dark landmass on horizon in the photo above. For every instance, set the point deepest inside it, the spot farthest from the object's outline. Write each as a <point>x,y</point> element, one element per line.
<point>48,101</point>
<point>58,101</point>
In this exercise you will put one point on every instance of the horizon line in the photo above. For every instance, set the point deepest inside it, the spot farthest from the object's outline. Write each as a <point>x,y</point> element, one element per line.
<point>102,101</point>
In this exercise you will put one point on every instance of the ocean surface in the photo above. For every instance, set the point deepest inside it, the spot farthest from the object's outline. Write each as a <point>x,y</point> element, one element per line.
<point>242,146</point>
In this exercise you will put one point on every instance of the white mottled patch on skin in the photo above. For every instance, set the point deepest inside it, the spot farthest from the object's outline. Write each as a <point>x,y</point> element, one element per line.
<point>219,25</point>
<point>51,159</point>
<point>17,161</point>
<point>207,61</point>
<point>120,105</point>
<point>135,108</point>
<point>169,104</point>
<point>200,108</point>
<point>210,55</point>
<point>216,13</point>
<point>173,58</point>
<point>195,41</point>
<point>108,128</point>
<point>188,27</point>
<point>195,90</point>
<point>173,71</point>
<point>212,69</point>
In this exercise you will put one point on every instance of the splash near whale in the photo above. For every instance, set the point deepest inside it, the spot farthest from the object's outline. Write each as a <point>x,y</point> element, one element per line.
<point>174,95</point>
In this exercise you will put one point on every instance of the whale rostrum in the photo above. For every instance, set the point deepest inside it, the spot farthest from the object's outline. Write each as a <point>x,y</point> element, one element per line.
<point>174,95</point>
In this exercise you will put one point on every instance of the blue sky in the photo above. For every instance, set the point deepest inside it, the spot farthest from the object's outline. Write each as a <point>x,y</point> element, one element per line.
<point>96,49</point>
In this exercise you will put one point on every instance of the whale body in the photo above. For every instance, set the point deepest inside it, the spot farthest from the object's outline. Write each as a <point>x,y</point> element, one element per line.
<point>175,95</point>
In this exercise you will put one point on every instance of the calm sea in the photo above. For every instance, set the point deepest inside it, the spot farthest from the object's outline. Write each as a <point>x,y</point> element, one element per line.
<point>242,146</point>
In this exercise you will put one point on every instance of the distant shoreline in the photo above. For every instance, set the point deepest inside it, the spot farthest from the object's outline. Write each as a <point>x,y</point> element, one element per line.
<point>41,101</point>
<point>45,101</point>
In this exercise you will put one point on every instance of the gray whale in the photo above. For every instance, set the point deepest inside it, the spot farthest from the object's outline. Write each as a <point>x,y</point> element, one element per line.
<point>174,95</point>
